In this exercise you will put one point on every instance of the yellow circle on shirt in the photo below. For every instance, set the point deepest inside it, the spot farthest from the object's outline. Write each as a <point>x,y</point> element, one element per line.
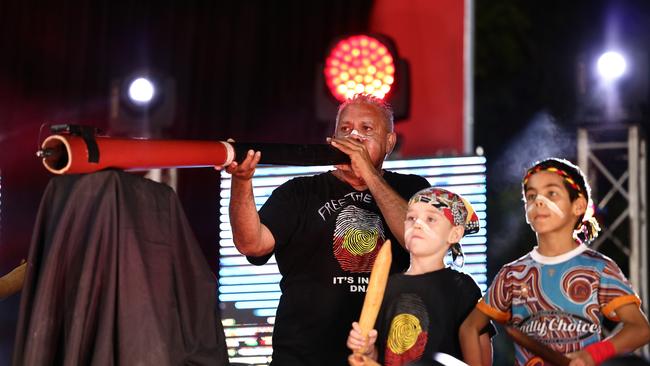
<point>404,332</point>
<point>360,242</point>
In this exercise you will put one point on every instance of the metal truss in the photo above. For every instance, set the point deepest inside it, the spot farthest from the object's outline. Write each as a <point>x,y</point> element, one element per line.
<point>622,204</point>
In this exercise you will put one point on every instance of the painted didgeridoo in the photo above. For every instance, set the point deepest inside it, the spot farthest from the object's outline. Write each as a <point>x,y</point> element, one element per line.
<point>72,154</point>
<point>547,354</point>
<point>375,289</point>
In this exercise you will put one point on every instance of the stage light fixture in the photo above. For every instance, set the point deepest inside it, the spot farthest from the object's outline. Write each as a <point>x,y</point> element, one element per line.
<point>612,86</point>
<point>142,104</point>
<point>141,91</point>
<point>359,64</point>
<point>362,63</point>
<point>611,65</point>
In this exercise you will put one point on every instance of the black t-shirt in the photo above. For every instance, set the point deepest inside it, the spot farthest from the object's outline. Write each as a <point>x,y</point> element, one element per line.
<point>327,235</point>
<point>421,314</point>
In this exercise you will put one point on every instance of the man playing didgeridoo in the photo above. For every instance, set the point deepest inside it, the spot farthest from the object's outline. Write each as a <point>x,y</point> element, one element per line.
<point>325,231</point>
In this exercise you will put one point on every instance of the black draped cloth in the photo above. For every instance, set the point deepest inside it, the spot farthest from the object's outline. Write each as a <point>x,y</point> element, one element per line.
<point>116,277</point>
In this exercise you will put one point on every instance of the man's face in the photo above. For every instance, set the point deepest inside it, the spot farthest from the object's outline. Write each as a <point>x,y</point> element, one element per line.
<point>364,123</point>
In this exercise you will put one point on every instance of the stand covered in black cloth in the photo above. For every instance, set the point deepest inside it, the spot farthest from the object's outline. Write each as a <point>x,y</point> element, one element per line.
<point>115,277</point>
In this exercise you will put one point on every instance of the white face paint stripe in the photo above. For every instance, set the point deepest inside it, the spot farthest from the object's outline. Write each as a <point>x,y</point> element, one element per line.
<point>550,204</point>
<point>422,224</point>
<point>357,134</point>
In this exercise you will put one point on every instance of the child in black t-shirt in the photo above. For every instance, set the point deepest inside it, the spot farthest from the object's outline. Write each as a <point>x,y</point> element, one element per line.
<point>424,307</point>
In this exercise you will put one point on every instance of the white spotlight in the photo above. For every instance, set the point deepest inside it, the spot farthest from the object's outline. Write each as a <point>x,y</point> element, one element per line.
<point>141,91</point>
<point>611,65</point>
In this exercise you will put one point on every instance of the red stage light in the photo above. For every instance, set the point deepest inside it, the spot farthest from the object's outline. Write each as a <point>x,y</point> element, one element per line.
<point>362,63</point>
<point>359,64</point>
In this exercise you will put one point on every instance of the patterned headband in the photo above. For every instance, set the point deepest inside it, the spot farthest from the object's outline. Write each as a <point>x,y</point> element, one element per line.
<point>560,172</point>
<point>455,208</point>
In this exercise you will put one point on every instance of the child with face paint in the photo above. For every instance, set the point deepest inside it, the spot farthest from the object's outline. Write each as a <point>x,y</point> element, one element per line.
<point>559,293</point>
<point>424,307</point>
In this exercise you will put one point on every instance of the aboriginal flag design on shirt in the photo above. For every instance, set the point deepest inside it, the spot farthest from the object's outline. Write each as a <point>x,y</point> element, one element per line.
<point>358,236</point>
<point>407,336</point>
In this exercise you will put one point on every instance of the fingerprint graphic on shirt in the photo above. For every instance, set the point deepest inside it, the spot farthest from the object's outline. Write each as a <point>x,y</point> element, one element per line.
<point>358,236</point>
<point>408,333</point>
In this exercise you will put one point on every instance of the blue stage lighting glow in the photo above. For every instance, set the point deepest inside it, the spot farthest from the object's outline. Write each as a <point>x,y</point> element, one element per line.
<point>252,296</point>
<point>256,304</point>
<point>244,280</point>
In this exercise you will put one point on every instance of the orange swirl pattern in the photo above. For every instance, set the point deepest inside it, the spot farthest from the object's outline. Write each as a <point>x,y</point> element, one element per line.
<point>559,304</point>
<point>579,283</point>
<point>609,285</point>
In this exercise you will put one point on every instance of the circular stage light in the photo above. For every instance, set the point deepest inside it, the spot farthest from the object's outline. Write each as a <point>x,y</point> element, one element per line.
<point>611,65</point>
<point>142,104</point>
<point>141,91</point>
<point>359,64</point>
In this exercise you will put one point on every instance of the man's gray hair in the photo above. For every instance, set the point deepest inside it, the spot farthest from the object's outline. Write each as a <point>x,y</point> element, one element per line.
<point>366,99</point>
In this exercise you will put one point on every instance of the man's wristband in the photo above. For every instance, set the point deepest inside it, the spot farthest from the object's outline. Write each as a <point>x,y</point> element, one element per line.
<point>601,351</point>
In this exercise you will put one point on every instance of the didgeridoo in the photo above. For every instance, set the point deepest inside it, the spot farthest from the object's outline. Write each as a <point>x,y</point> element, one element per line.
<point>72,154</point>
<point>547,354</point>
<point>375,289</point>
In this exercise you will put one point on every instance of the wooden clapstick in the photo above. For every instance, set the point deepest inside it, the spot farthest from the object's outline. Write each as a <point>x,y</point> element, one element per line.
<point>12,282</point>
<point>546,353</point>
<point>376,288</point>
<point>360,360</point>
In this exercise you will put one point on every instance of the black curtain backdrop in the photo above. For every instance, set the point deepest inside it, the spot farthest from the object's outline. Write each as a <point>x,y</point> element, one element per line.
<point>243,69</point>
